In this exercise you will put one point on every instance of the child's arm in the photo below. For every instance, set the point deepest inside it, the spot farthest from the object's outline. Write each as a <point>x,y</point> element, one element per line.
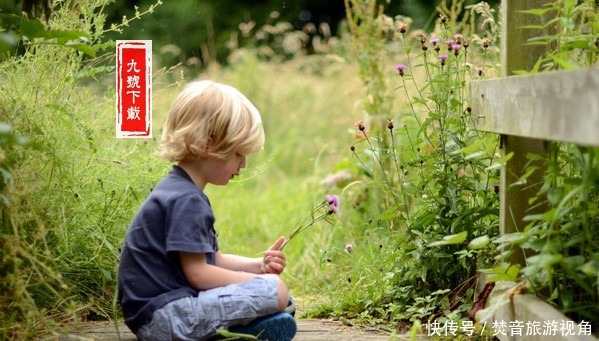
<point>273,261</point>
<point>203,276</point>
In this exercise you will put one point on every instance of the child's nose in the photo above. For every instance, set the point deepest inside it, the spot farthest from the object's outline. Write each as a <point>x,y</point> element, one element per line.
<point>243,163</point>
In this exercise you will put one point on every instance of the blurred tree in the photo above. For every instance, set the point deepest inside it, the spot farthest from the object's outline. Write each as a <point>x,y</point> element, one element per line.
<point>33,8</point>
<point>196,31</point>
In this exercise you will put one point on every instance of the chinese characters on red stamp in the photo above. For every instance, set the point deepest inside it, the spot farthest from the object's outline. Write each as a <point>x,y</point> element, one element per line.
<point>133,88</point>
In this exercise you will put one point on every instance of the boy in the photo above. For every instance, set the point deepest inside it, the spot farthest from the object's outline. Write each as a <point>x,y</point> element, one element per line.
<point>174,283</point>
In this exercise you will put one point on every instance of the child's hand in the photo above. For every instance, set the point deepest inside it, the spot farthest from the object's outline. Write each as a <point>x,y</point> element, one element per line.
<point>274,260</point>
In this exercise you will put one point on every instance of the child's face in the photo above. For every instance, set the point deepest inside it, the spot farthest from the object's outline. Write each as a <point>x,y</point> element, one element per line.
<point>219,172</point>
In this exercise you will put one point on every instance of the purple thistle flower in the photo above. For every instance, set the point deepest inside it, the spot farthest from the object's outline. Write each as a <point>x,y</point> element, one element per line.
<point>400,68</point>
<point>456,49</point>
<point>330,205</point>
<point>434,41</point>
<point>449,43</point>
<point>333,209</point>
<point>480,70</point>
<point>333,202</point>
<point>442,58</point>
<point>348,247</point>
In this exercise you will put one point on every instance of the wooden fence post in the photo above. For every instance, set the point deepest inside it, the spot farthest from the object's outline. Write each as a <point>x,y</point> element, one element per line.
<point>516,55</point>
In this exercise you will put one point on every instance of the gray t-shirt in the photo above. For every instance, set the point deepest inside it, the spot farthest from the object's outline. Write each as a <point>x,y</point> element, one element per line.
<point>175,217</point>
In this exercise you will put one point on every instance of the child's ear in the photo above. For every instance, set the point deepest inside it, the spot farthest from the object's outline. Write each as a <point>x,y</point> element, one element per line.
<point>207,148</point>
<point>204,153</point>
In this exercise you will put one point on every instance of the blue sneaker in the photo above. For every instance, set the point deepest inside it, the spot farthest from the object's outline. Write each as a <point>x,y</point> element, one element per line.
<point>290,307</point>
<point>275,327</point>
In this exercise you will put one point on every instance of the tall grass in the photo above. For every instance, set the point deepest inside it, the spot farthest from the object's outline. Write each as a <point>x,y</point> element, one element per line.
<point>304,109</point>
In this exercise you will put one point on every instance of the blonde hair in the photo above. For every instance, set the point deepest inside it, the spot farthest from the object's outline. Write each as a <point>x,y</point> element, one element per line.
<point>208,114</point>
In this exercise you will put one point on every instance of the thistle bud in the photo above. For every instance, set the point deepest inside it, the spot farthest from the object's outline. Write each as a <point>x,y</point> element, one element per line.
<point>402,28</point>
<point>360,125</point>
<point>486,42</point>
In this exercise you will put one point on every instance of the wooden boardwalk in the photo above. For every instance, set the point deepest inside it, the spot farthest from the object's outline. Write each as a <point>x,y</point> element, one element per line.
<point>308,330</point>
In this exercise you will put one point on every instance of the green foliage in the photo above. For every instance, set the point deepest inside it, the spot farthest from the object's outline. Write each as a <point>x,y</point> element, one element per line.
<point>8,140</point>
<point>15,31</point>
<point>370,30</point>
<point>424,190</point>
<point>575,43</point>
<point>70,195</point>
<point>564,256</point>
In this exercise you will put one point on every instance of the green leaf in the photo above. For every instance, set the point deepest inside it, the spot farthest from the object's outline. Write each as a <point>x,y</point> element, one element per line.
<point>500,162</point>
<point>512,238</point>
<point>33,29</point>
<point>544,260</point>
<point>7,41</point>
<point>573,261</point>
<point>545,38</point>
<point>590,268</point>
<point>476,155</point>
<point>532,27</point>
<point>88,50</point>
<point>419,100</point>
<point>5,176</point>
<point>555,195</point>
<point>5,128</point>
<point>67,35</point>
<point>479,242</point>
<point>537,11</point>
<point>503,272</point>
<point>452,239</point>
<point>577,44</point>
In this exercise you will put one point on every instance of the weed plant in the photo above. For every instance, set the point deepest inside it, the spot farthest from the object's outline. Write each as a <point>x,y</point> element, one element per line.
<point>426,182</point>
<point>423,175</point>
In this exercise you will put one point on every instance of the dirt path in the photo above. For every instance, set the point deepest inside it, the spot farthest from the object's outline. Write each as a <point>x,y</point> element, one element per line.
<point>308,330</point>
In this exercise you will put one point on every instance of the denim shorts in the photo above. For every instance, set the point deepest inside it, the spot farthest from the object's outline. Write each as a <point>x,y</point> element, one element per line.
<point>198,318</point>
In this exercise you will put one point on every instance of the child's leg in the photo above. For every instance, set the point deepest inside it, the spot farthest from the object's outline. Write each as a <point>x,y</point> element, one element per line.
<point>198,318</point>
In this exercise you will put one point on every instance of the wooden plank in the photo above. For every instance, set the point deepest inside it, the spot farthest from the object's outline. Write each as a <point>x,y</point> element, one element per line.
<point>307,330</point>
<point>504,306</point>
<point>517,55</point>
<point>559,106</point>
